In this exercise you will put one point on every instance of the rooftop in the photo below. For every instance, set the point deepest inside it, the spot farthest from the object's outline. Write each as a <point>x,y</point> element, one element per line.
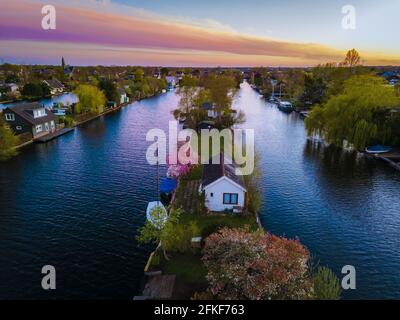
<point>212,172</point>
<point>25,111</point>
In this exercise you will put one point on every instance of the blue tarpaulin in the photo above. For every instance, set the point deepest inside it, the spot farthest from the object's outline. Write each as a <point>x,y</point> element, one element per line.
<point>168,185</point>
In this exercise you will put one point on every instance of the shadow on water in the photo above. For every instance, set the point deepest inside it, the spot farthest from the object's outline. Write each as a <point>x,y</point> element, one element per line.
<point>343,206</point>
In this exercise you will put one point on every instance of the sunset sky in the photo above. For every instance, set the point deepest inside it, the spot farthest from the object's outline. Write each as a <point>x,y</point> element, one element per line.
<point>198,33</point>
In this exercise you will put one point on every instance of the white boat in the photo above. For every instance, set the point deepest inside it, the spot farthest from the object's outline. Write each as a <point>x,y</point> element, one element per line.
<point>159,216</point>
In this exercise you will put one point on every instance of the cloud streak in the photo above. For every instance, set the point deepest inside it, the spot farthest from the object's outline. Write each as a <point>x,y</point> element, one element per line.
<point>119,35</point>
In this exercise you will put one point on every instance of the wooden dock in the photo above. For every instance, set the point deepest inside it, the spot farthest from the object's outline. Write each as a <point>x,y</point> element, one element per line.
<point>392,158</point>
<point>51,136</point>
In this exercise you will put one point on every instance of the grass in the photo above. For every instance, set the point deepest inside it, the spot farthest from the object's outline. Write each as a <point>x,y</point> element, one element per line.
<point>190,274</point>
<point>209,224</point>
<point>188,267</point>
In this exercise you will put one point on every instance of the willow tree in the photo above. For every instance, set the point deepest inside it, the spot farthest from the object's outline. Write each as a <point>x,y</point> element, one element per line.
<point>8,141</point>
<point>91,99</point>
<point>360,115</point>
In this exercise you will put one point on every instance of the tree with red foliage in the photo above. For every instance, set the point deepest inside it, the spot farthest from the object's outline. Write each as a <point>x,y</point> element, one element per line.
<point>253,265</point>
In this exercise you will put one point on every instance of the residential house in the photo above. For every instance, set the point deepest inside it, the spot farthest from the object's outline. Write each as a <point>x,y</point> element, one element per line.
<point>68,71</point>
<point>56,87</point>
<point>210,108</point>
<point>123,98</point>
<point>180,74</point>
<point>12,87</point>
<point>224,190</point>
<point>32,117</point>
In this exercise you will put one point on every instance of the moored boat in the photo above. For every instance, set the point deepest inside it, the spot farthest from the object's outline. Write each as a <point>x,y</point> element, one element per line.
<point>378,149</point>
<point>156,214</point>
<point>285,106</point>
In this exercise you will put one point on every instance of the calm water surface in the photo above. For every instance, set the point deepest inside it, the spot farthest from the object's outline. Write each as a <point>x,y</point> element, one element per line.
<point>343,207</point>
<point>66,99</point>
<point>77,202</point>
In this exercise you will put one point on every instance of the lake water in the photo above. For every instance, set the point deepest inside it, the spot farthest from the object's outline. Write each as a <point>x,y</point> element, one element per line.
<point>66,98</point>
<point>77,202</point>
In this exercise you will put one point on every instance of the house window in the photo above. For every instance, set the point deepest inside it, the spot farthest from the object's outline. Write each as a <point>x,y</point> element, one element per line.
<point>19,128</point>
<point>39,113</point>
<point>211,194</point>
<point>39,128</point>
<point>10,116</point>
<point>46,126</point>
<point>230,198</point>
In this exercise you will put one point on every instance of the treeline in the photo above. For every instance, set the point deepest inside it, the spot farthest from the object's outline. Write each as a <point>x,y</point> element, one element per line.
<point>350,104</point>
<point>218,90</point>
<point>145,86</point>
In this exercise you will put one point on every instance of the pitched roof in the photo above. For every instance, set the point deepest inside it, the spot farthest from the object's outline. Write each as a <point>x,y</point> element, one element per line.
<point>25,111</point>
<point>54,83</point>
<point>212,172</point>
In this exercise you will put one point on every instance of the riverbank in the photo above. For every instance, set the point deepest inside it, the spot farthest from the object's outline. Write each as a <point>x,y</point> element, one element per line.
<point>186,268</point>
<point>97,183</point>
<point>78,121</point>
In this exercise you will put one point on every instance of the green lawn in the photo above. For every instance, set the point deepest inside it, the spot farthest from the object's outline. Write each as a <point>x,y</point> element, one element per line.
<point>190,274</point>
<point>188,267</point>
<point>208,224</point>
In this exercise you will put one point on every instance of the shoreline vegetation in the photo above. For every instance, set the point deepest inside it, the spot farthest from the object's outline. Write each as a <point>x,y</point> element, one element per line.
<point>347,104</point>
<point>99,91</point>
<point>217,255</point>
<point>223,255</point>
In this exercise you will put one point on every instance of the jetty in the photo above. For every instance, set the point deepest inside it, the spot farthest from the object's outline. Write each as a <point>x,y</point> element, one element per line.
<point>53,135</point>
<point>392,158</point>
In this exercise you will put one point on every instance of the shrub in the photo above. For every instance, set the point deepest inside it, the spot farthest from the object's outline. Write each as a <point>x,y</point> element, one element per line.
<point>326,285</point>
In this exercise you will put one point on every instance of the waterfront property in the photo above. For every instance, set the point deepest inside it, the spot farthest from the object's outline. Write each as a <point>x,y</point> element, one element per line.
<point>56,87</point>
<point>31,118</point>
<point>210,108</point>
<point>123,98</point>
<point>223,189</point>
<point>310,191</point>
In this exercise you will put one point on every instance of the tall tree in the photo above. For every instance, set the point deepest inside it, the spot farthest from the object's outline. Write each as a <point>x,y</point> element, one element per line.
<point>91,99</point>
<point>109,89</point>
<point>358,116</point>
<point>352,59</point>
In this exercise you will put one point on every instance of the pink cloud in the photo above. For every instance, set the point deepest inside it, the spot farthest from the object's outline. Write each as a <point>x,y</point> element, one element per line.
<point>21,20</point>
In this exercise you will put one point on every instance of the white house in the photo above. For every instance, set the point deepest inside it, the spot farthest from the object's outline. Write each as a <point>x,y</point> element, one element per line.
<point>210,108</point>
<point>123,98</point>
<point>12,87</point>
<point>223,189</point>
